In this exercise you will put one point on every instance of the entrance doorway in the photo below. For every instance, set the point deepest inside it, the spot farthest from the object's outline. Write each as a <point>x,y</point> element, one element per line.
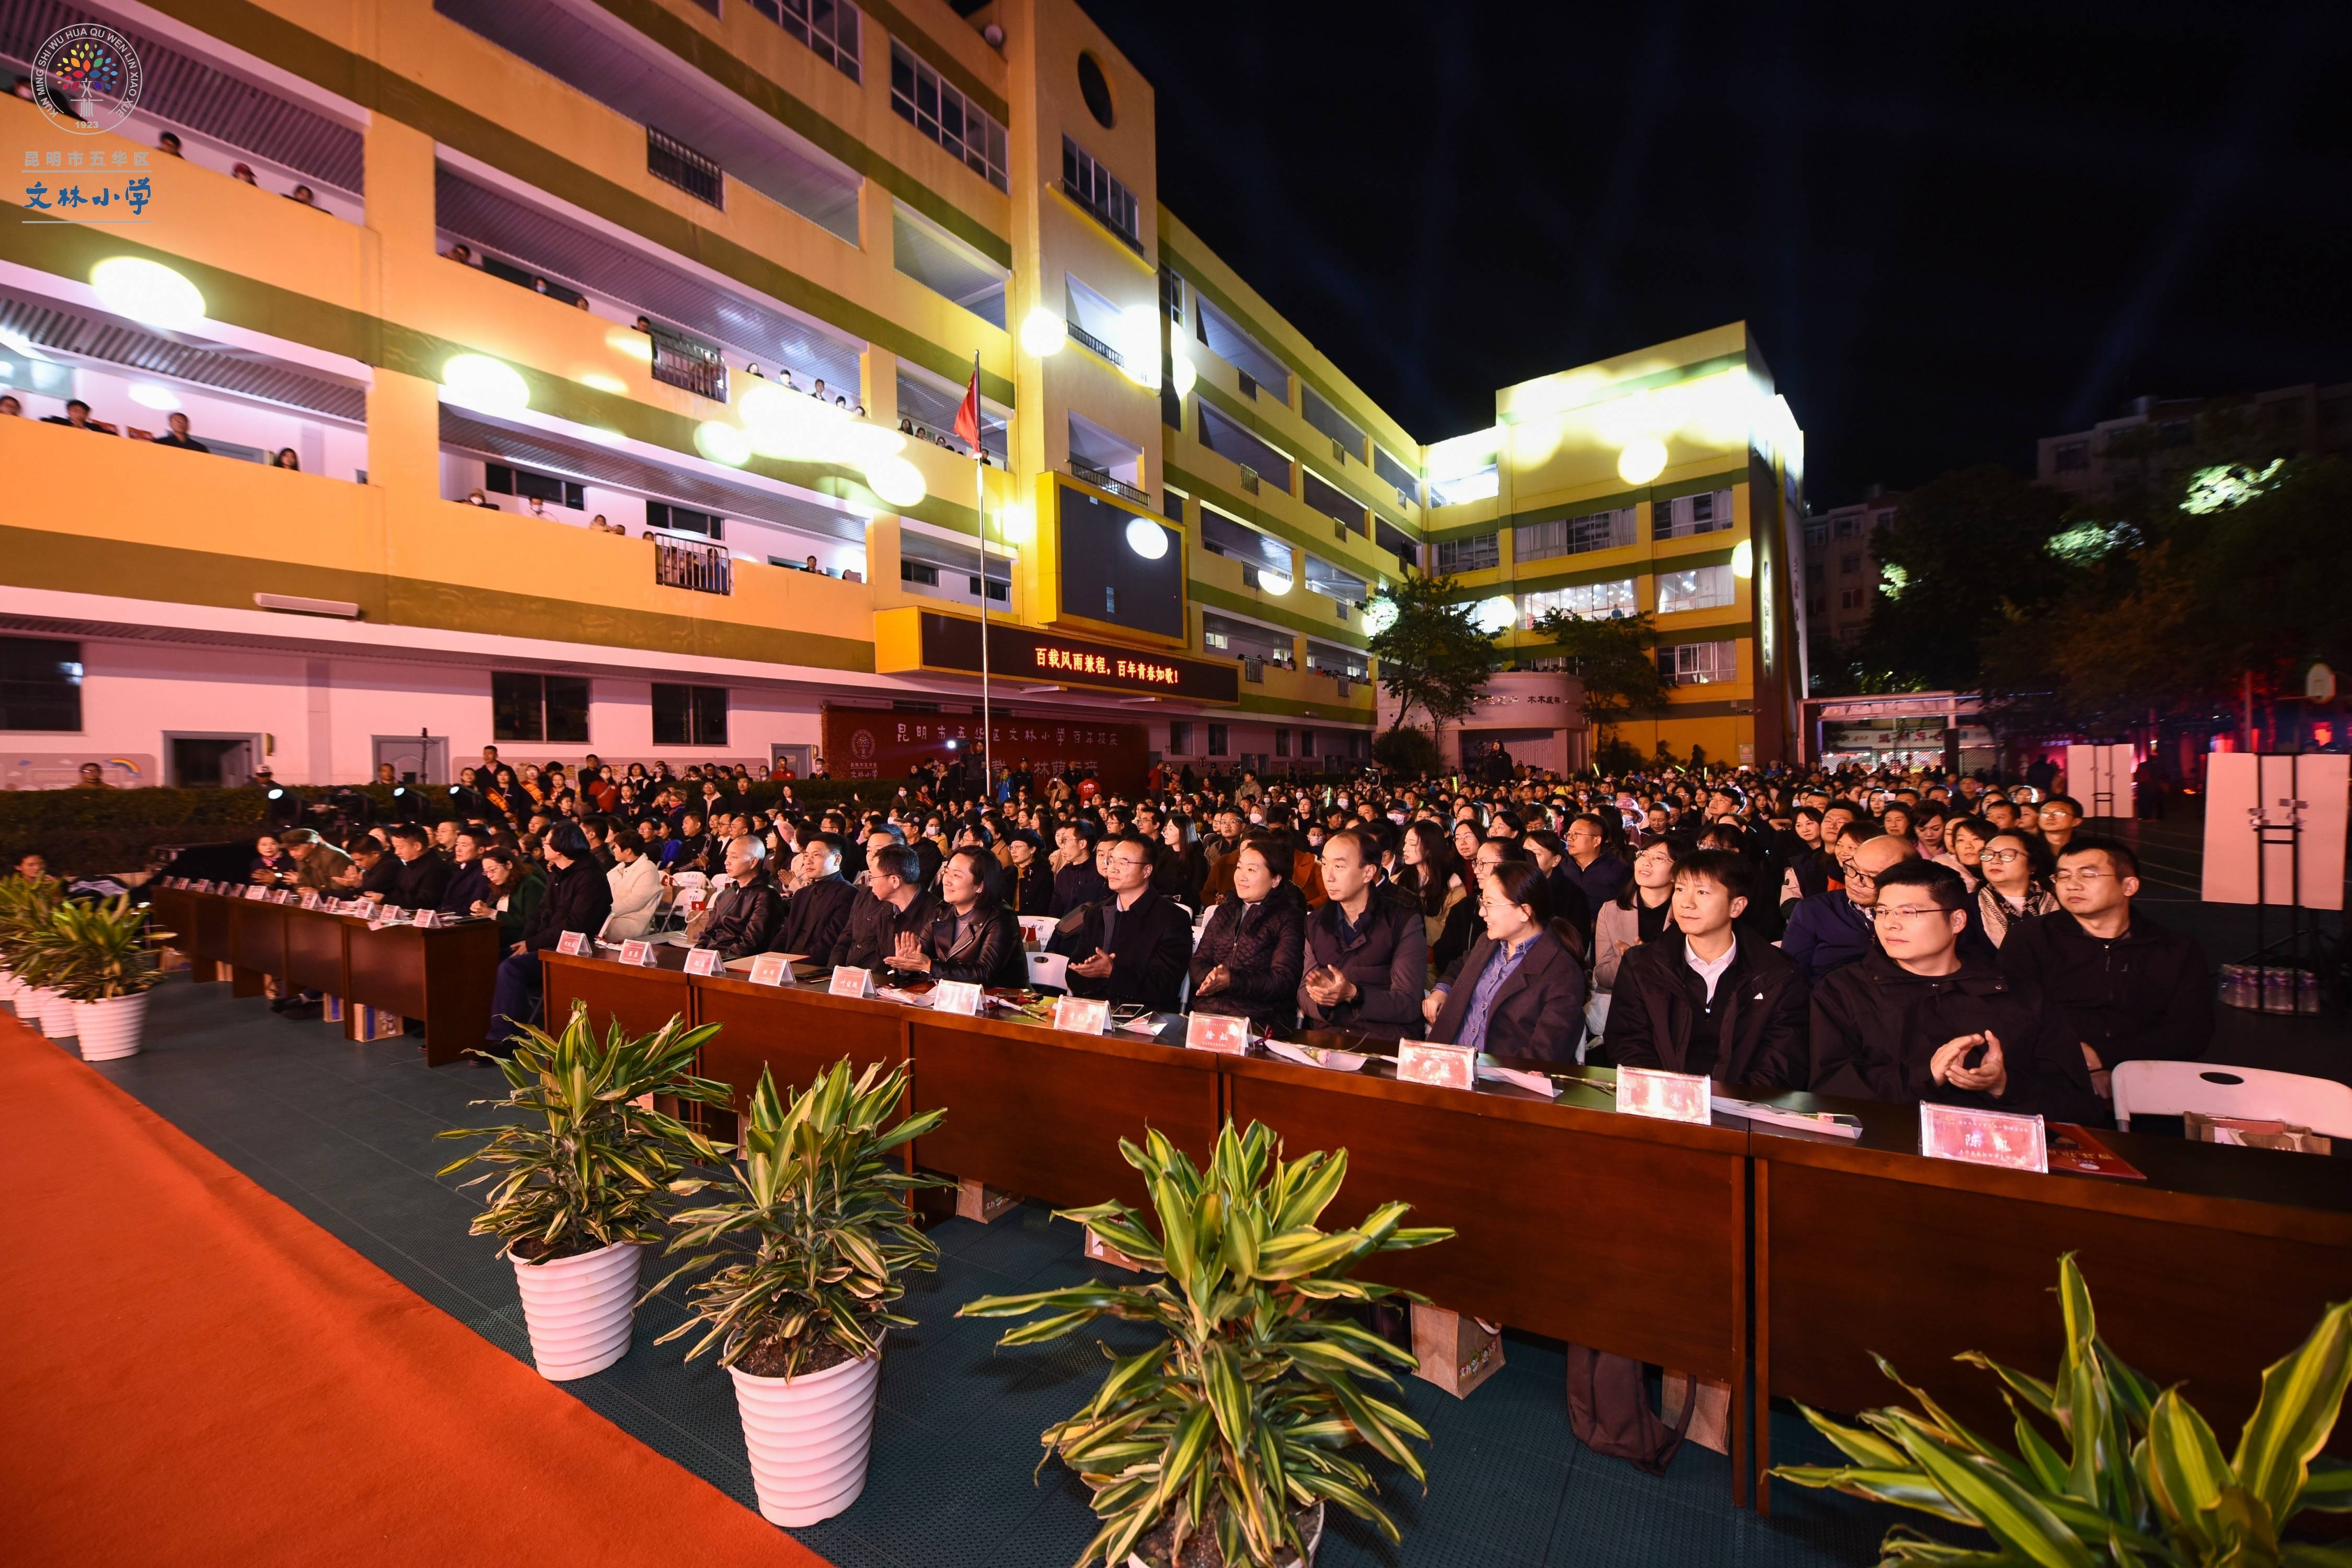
<point>415,759</point>
<point>211,761</point>
<point>801,760</point>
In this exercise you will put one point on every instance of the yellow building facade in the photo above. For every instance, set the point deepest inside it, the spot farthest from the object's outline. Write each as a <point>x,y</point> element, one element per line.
<point>524,380</point>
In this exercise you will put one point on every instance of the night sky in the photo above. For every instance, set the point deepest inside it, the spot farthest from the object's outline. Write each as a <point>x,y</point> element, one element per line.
<point>1953,228</point>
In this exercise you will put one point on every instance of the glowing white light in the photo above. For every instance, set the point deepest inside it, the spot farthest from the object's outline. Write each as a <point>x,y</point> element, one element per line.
<point>1042,333</point>
<point>1186,374</point>
<point>478,381</point>
<point>864,445</point>
<point>1379,616</point>
<point>722,443</point>
<point>1274,583</point>
<point>1014,523</point>
<point>1495,614</point>
<point>148,292</point>
<point>1147,538</point>
<point>897,482</point>
<point>19,344</point>
<point>1743,560</point>
<point>155,396</point>
<point>766,404</point>
<point>1138,348</point>
<point>1641,460</point>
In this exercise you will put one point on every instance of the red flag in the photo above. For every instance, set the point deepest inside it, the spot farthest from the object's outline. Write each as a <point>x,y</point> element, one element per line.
<point>967,426</point>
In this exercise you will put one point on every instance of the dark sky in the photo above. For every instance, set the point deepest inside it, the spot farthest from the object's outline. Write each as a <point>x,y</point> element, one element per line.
<point>1954,229</point>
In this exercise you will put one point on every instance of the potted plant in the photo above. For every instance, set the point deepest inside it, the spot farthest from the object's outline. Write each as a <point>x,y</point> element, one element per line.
<point>2135,1475</point>
<point>97,956</point>
<point>24,910</point>
<point>584,1175</point>
<point>805,1254</point>
<point>1221,1444</point>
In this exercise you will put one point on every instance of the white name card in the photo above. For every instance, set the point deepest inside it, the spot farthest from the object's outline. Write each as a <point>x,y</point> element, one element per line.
<point>848,979</point>
<point>702,961</point>
<point>309,900</point>
<point>357,907</point>
<point>772,969</point>
<point>1216,1032</point>
<point>1431,1062</point>
<point>959,997</point>
<point>427,919</point>
<point>1082,1015</point>
<point>257,891</point>
<point>573,944</point>
<point>1668,1096</point>
<point>1997,1137</point>
<point>637,952</point>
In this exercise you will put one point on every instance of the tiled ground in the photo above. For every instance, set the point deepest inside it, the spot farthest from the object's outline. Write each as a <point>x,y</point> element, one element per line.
<point>344,1133</point>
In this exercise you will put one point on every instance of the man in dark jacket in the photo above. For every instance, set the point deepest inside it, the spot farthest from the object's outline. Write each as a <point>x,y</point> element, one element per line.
<point>577,898</point>
<point>742,918</point>
<point>1367,959</point>
<point>467,882</point>
<point>1706,996</point>
<point>1132,946</point>
<point>2130,988</point>
<point>1249,958</point>
<point>1915,1020</point>
<point>816,915</point>
<point>895,903</point>
<point>1080,882</point>
<point>423,875</point>
<point>1833,929</point>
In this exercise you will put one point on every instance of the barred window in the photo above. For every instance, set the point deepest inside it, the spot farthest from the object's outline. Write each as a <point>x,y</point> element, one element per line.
<point>937,110</point>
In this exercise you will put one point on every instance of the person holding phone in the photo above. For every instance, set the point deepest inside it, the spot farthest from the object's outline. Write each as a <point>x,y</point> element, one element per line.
<point>1367,959</point>
<point>1133,946</point>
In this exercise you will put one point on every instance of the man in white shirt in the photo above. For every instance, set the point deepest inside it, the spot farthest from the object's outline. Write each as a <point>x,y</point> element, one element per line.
<point>637,891</point>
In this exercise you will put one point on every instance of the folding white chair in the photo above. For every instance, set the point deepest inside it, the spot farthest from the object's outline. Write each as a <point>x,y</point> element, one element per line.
<point>2258,1094</point>
<point>1048,969</point>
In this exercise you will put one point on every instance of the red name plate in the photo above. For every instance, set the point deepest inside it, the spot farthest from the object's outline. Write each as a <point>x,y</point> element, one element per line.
<point>772,969</point>
<point>1668,1096</point>
<point>257,891</point>
<point>1216,1032</point>
<point>427,919</point>
<point>702,961</point>
<point>848,979</point>
<point>959,997</point>
<point>1995,1138</point>
<point>1082,1015</point>
<point>637,952</point>
<point>1428,1061</point>
<point>572,944</point>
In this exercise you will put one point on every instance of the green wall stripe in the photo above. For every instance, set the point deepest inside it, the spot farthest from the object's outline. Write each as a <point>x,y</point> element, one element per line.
<point>1670,637</point>
<point>1245,413</point>
<point>245,25</point>
<point>1329,631</point>
<point>1611,502</point>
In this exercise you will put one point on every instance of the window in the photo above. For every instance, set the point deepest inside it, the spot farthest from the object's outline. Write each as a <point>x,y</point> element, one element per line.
<point>500,479</point>
<point>40,684</point>
<point>1706,512</point>
<point>1702,588</point>
<point>1091,185</point>
<point>1282,742</point>
<point>1217,740</point>
<point>1332,501</point>
<point>1305,743</point>
<point>674,162</point>
<point>1479,484</point>
<point>1817,531</point>
<point>1699,663</point>
<point>1345,663</point>
<point>1171,506</point>
<point>1331,422</point>
<point>1224,337</point>
<point>1572,535</point>
<point>1849,598</point>
<point>921,572</point>
<point>1850,563</point>
<point>999,588</point>
<point>937,110</point>
<point>1180,737</point>
<point>1585,600</point>
<point>553,708</point>
<point>1225,437</point>
<point>1882,519</point>
<point>1848,525</point>
<point>1475,553</point>
<point>1408,489</point>
<point>828,26</point>
<point>689,715</point>
<point>1814,573</point>
<point>685,520</point>
<point>1171,294</point>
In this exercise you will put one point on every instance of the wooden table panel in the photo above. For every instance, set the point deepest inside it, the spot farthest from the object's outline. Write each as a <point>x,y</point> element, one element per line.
<point>314,952</point>
<point>256,944</point>
<point>642,998</point>
<point>796,1032</point>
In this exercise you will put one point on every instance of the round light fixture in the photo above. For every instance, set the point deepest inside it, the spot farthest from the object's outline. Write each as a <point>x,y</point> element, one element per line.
<point>1743,560</point>
<point>155,394</point>
<point>1042,333</point>
<point>478,381</point>
<point>1186,374</point>
<point>722,443</point>
<point>1147,538</point>
<point>148,292</point>
<point>1641,460</point>
<point>1013,523</point>
<point>897,482</point>
<point>864,445</point>
<point>1138,348</point>
<point>1379,616</point>
<point>1274,583</point>
<point>1495,614</point>
<point>765,403</point>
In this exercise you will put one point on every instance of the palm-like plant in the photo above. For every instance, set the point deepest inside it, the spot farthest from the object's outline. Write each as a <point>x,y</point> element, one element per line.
<point>97,949</point>
<point>821,1205</point>
<point>587,1165</point>
<point>1237,1418</point>
<point>24,910</point>
<point>2142,1481</point>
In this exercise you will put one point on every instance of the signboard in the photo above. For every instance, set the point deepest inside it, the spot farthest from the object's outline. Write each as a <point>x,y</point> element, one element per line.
<point>1668,1096</point>
<point>1216,1032</point>
<point>1434,1062</point>
<point>637,952</point>
<point>572,944</point>
<point>849,980</point>
<point>1082,1015</point>
<point>702,961</point>
<point>952,643</point>
<point>869,744</point>
<point>771,969</point>
<point>959,997</point>
<point>1995,1138</point>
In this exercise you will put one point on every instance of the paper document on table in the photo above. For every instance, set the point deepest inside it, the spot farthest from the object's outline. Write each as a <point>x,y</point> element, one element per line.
<point>1318,1056</point>
<point>1533,1082</point>
<point>1836,1124</point>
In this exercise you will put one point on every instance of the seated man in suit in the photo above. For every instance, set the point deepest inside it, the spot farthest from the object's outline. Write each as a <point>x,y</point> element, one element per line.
<point>895,903</point>
<point>1133,946</point>
<point>817,912</point>
<point>422,875</point>
<point>1367,957</point>
<point>744,916</point>
<point>467,882</point>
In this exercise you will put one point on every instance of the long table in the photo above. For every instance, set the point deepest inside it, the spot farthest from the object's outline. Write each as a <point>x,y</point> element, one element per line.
<point>443,975</point>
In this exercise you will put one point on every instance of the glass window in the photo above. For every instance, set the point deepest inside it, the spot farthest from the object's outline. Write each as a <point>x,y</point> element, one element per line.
<point>689,715</point>
<point>1475,553</point>
<point>40,684</point>
<point>1217,740</point>
<point>1572,535</point>
<point>1706,512</point>
<point>827,26</point>
<point>935,109</point>
<point>553,708</point>
<point>1091,185</point>
<point>1703,588</point>
<point>1585,600</point>
<point>1699,663</point>
<point>1180,737</point>
<point>1282,742</point>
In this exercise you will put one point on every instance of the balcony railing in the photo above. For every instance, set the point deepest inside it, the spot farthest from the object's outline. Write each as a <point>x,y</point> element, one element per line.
<point>682,361</point>
<point>704,568</point>
<point>1089,341</point>
<point>669,159</point>
<point>1102,479</point>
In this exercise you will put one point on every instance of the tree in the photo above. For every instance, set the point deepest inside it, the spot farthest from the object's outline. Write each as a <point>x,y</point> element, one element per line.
<point>1965,553</point>
<point>1617,660</point>
<point>1432,656</point>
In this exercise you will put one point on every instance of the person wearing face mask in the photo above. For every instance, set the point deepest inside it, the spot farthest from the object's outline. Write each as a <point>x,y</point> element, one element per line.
<point>1248,962</point>
<point>1521,990</point>
<point>1131,946</point>
<point>973,937</point>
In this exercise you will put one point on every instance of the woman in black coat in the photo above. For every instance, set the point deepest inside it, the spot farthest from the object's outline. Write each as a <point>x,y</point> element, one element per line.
<point>1181,866</point>
<point>975,937</point>
<point>1248,961</point>
<point>1532,1005</point>
<point>1028,884</point>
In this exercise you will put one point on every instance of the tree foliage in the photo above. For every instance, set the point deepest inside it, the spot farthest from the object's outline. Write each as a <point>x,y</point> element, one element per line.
<point>1432,656</point>
<point>1617,660</point>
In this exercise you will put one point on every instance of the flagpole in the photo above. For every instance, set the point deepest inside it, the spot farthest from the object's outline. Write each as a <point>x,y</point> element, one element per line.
<point>980,508</point>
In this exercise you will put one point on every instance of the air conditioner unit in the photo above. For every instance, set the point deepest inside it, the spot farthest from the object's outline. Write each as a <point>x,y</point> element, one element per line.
<point>1249,478</point>
<point>1338,452</point>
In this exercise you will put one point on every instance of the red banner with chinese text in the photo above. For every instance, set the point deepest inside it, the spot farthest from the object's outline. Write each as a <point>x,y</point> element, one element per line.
<point>868,744</point>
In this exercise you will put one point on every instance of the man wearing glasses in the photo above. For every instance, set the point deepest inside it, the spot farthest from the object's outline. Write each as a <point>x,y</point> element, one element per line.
<point>1831,929</point>
<point>2130,987</point>
<point>1917,1020</point>
<point>1133,946</point>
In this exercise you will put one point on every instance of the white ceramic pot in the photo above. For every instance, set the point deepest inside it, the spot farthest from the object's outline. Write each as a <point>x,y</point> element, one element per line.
<point>26,1000</point>
<point>7,984</point>
<point>56,1015</point>
<point>110,1029</point>
<point>1310,1528</point>
<point>579,1310</point>
<point>808,1437</point>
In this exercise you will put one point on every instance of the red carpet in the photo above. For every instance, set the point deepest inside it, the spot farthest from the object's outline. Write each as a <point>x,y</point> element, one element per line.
<point>195,1373</point>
